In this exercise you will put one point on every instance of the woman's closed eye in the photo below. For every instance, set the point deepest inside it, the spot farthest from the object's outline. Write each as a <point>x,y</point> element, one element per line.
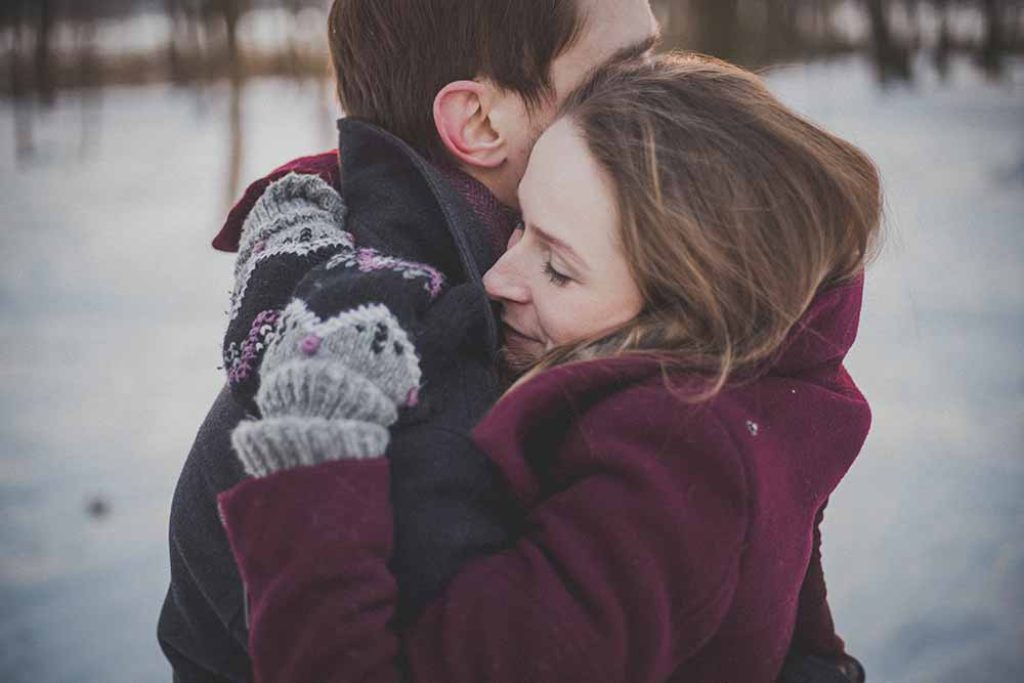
<point>556,278</point>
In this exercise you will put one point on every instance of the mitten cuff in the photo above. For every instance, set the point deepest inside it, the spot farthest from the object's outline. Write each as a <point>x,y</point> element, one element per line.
<point>274,444</point>
<point>324,388</point>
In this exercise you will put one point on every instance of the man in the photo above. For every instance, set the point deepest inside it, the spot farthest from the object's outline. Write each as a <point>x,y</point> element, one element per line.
<point>445,100</point>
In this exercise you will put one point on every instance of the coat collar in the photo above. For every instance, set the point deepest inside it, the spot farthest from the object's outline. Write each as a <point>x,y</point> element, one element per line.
<point>519,431</point>
<point>825,332</point>
<point>395,194</point>
<point>816,345</point>
<point>402,204</point>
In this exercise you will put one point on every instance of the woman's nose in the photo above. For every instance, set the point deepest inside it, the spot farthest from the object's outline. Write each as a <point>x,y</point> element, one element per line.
<point>504,282</point>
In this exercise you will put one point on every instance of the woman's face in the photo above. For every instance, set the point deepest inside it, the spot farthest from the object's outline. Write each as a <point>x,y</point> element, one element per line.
<point>564,277</point>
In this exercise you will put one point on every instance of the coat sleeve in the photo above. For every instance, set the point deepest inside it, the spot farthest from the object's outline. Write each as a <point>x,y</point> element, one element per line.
<point>448,508</point>
<point>627,567</point>
<point>202,627</point>
<point>815,631</point>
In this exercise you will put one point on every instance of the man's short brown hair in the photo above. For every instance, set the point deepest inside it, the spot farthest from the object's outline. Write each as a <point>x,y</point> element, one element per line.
<point>392,57</point>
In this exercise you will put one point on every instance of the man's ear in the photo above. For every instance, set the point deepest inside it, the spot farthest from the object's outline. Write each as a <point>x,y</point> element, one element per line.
<point>462,114</point>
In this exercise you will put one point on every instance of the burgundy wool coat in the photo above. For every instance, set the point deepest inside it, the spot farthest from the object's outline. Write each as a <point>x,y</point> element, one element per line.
<point>660,540</point>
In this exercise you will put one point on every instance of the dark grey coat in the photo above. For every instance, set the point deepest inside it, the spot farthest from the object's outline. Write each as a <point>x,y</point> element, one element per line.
<point>447,504</point>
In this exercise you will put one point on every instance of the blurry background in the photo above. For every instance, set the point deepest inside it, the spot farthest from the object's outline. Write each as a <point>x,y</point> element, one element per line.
<point>128,126</point>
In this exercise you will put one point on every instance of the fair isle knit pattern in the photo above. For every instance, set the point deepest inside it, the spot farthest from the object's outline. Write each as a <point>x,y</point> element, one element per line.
<point>367,339</point>
<point>319,341</point>
<point>370,260</point>
<point>242,360</point>
<point>301,244</point>
<point>297,224</point>
<point>297,214</point>
<point>330,389</point>
<point>294,244</point>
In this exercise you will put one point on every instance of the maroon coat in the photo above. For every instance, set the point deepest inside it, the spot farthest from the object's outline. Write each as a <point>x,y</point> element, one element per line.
<point>660,540</point>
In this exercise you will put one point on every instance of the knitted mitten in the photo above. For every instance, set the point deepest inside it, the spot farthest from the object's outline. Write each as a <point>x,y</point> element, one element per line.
<point>319,341</point>
<point>296,225</point>
<point>329,389</point>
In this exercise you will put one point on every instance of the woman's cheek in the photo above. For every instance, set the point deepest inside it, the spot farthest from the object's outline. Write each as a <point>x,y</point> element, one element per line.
<point>562,322</point>
<point>595,313</point>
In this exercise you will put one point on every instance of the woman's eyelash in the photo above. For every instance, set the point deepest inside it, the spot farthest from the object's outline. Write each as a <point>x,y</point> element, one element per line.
<point>555,277</point>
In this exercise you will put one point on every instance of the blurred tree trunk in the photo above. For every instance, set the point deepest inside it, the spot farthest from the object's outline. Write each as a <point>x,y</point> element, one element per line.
<point>294,8</point>
<point>230,12</point>
<point>236,141</point>
<point>90,79</point>
<point>716,25</point>
<point>43,62</point>
<point>13,17</point>
<point>891,59</point>
<point>782,34</point>
<point>993,48</point>
<point>944,44</point>
<point>173,10</point>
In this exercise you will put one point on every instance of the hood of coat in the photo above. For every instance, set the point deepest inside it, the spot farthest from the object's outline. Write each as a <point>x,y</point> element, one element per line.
<point>816,345</point>
<point>824,334</point>
<point>805,390</point>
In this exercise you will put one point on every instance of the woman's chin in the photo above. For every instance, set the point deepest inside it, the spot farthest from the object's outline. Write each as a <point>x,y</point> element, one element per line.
<point>518,355</point>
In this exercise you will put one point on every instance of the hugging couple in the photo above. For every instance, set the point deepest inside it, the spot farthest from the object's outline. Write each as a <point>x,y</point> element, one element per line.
<point>538,377</point>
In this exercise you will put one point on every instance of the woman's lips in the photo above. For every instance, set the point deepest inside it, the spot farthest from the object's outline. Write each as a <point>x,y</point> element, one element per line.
<point>513,336</point>
<point>512,332</point>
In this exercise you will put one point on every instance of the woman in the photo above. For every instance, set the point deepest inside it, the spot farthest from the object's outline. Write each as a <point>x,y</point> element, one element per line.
<point>689,274</point>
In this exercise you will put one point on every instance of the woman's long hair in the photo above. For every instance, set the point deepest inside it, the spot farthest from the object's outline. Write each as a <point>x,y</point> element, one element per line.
<point>733,211</point>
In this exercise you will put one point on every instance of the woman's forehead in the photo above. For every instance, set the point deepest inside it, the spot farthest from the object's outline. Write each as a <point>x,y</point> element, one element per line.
<point>567,194</point>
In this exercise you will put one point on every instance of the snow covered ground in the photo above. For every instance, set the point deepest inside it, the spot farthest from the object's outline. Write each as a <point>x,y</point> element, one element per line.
<point>111,307</point>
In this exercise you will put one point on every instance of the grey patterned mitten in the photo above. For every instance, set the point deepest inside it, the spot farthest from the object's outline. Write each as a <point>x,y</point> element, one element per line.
<point>296,225</point>
<point>329,389</point>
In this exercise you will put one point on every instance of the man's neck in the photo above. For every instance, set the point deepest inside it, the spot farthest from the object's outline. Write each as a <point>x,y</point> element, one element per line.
<point>499,220</point>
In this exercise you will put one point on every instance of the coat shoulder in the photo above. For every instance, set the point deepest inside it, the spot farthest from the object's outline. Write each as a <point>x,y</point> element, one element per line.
<point>325,165</point>
<point>650,430</point>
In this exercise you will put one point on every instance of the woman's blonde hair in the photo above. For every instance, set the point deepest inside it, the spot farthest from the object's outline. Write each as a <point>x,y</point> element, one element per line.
<point>734,211</point>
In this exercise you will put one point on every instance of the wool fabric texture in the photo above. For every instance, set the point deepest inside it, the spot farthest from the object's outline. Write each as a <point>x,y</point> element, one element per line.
<point>324,389</point>
<point>324,166</point>
<point>368,339</point>
<point>274,444</point>
<point>329,390</point>
<point>295,225</point>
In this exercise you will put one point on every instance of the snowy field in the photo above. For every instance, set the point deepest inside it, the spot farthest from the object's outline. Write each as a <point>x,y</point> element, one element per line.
<point>111,308</point>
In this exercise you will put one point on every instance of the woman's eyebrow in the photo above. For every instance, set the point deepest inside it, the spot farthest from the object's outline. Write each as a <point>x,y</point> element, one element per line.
<point>564,248</point>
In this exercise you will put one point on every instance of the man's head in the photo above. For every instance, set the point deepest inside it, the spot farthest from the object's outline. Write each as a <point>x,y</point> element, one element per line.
<point>475,82</point>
